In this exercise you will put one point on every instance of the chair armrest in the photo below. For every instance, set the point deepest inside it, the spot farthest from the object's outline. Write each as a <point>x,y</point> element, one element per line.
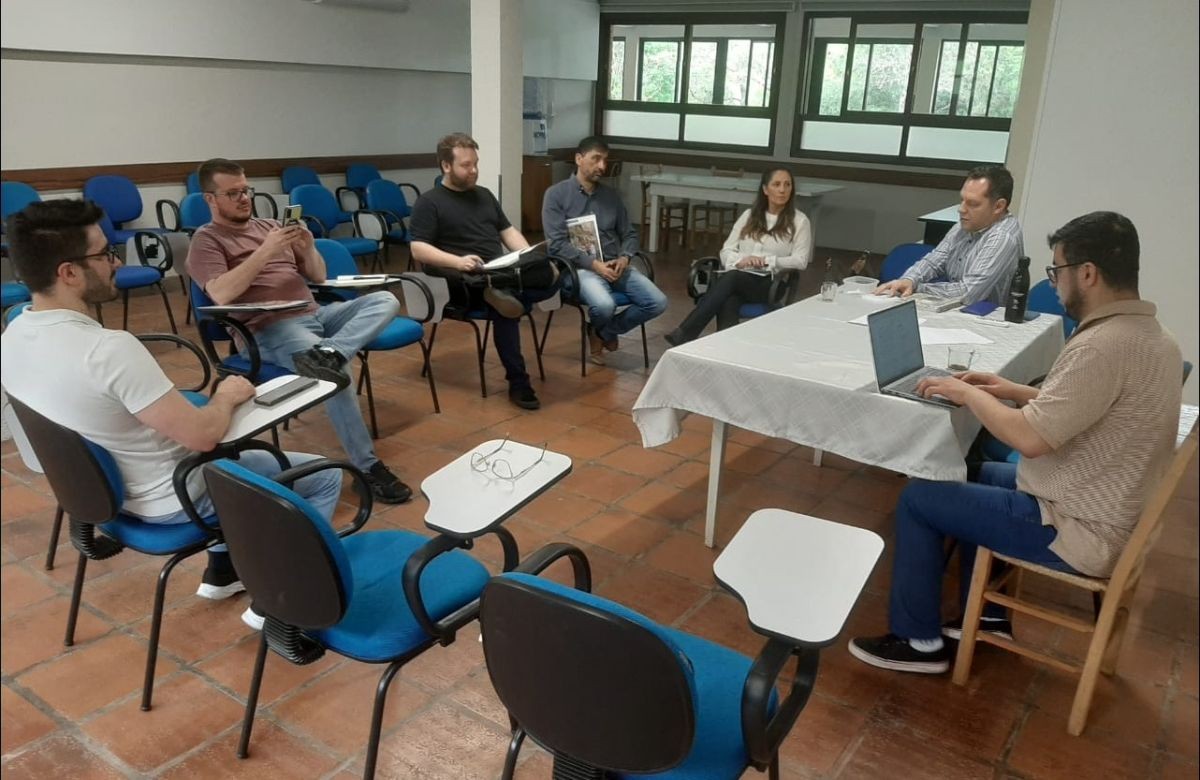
<point>248,342</point>
<point>162,219</point>
<point>321,231</point>
<point>415,190</point>
<point>197,459</point>
<point>423,288</point>
<point>146,244</point>
<point>359,196</point>
<point>376,224</point>
<point>783,287</point>
<point>700,276</point>
<point>366,500</point>
<point>762,732</point>
<point>180,341</point>
<point>272,208</point>
<point>643,263</point>
<point>540,560</point>
<point>443,630</point>
<point>567,271</point>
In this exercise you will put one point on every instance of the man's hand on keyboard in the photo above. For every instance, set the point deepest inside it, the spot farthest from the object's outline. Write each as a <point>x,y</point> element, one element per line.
<point>951,388</point>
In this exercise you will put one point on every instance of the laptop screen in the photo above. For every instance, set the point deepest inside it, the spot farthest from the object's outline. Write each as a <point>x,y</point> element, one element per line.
<point>895,343</point>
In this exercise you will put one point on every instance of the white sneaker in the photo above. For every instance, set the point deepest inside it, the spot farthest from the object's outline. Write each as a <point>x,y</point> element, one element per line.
<point>253,619</point>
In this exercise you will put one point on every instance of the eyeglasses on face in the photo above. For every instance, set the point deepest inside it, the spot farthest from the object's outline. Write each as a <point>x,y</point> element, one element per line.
<point>234,195</point>
<point>1052,270</point>
<point>109,253</point>
<point>500,468</point>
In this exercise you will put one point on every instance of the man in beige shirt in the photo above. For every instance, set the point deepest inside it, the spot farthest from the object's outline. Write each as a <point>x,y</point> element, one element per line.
<point>1093,439</point>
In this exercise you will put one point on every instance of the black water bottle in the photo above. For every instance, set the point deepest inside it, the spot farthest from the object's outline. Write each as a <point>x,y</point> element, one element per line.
<point>1018,292</point>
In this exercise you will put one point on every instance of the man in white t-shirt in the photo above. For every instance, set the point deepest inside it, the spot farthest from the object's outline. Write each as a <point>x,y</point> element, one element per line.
<point>106,386</point>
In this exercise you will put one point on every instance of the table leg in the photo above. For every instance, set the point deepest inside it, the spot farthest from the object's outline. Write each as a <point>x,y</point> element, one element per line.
<point>653,245</point>
<point>716,457</point>
<point>817,457</point>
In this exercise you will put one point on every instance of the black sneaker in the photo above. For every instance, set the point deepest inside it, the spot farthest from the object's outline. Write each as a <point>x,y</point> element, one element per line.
<point>504,302</point>
<point>892,652</point>
<point>674,338</point>
<point>322,363</point>
<point>524,397</point>
<point>997,627</point>
<point>253,618</point>
<point>220,580</point>
<point>386,486</point>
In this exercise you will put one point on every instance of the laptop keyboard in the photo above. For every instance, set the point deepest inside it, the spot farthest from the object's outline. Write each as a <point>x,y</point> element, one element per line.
<point>909,383</point>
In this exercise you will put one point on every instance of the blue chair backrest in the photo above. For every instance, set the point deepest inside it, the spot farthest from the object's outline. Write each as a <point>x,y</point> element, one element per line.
<point>193,211</point>
<point>316,201</point>
<point>900,259</point>
<point>193,182</point>
<point>117,195</point>
<point>1044,298</point>
<point>384,195</point>
<point>359,175</point>
<point>211,331</point>
<point>437,180</point>
<point>297,175</point>
<point>13,312</point>
<point>17,195</point>
<point>338,260</point>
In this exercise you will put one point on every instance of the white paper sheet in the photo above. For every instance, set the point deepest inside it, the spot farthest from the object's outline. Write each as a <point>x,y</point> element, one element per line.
<point>932,337</point>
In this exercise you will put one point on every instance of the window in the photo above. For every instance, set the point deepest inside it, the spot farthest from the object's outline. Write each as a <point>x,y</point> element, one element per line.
<point>912,88</point>
<point>700,82</point>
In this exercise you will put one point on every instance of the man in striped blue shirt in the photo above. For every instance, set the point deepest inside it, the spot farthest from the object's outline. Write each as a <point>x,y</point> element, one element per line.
<point>977,258</point>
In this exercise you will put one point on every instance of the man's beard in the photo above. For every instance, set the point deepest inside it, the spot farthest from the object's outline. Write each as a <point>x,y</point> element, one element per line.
<point>1071,305</point>
<point>97,290</point>
<point>464,183</point>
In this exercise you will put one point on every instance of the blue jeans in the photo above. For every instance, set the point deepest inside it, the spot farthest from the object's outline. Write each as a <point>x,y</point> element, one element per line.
<point>321,489</point>
<point>991,512</point>
<point>646,301</point>
<point>347,328</point>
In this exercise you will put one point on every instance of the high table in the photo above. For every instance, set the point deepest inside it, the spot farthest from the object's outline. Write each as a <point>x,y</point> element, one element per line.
<point>938,224</point>
<point>805,373</point>
<point>725,189</point>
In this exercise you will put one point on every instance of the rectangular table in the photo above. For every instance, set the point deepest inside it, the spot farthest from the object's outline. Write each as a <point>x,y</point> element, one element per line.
<point>938,224</point>
<point>724,189</point>
<point>805,373</point>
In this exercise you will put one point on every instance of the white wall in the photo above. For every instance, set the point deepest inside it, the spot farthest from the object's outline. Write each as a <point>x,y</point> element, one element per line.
<point>1117,130</point>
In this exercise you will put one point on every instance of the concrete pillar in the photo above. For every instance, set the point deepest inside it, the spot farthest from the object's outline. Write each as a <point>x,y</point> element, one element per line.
<point>497,98</point>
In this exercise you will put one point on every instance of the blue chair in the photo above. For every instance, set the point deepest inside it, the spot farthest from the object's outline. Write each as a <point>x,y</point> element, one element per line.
<point>16,298</point>
<point>900,259</point>
<point>301,175</point>
<point>193,182</point>
<point>1044,298</point>
<point>667,705</point>
<point>186,216</point>
<point>783,287</point>
<point>569,296</point>
<point>385,217</point>
<point>381,597</point>
<point>359,177</point>
<point>320,212</point>
<point>87,484</point>
<point>218,328</point>
<point>402,332</point>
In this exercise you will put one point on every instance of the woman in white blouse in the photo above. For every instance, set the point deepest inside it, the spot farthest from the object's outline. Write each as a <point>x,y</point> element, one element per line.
<point>769,236</point>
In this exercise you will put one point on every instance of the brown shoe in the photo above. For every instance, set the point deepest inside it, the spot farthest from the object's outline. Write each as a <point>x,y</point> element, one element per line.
<point>613,344</point>
<point>595,346</point>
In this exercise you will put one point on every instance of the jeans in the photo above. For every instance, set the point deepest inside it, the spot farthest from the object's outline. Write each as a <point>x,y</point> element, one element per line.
<point>347,328</point>
<point>506,332</point>
<point>723,299</point>
<point>991,512</point>
<point>646,301</point>
<point>321,489</point>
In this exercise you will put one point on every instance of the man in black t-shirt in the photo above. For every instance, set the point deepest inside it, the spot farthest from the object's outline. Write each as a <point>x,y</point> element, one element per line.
<point>455,228</point>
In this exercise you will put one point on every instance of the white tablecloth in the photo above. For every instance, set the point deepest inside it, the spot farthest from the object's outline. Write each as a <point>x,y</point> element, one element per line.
<point>804,373</point>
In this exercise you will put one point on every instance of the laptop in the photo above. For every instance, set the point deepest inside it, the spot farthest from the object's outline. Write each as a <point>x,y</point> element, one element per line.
<point>896,350</point>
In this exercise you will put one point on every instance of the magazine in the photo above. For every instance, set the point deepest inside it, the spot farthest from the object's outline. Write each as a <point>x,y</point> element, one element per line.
<point>504,261</point>
<point>584,235</point>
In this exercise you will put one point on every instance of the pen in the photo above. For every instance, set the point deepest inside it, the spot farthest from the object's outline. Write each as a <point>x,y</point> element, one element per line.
<point>992,323</point>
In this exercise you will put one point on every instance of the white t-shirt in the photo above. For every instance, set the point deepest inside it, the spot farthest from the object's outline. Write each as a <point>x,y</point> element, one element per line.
<point>65,366</point>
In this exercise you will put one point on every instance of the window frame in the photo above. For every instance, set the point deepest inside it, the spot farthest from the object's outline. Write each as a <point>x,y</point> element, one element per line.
<point>808,82</point>
<point>688,21</point>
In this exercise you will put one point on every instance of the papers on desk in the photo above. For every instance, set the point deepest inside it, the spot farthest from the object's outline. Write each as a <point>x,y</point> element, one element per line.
<point>863,319</point>
<point>510,259</point>
<point>933,337</point>
<point>261,306</point>
<point>355,280</point>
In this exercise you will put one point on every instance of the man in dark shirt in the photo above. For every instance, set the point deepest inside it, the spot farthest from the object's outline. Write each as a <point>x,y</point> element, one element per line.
<point>456,227</point>
<point>607,272</point>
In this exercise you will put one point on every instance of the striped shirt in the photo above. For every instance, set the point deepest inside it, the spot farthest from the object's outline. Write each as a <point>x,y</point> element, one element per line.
<point>979,266</point>
<point>1109,409</point>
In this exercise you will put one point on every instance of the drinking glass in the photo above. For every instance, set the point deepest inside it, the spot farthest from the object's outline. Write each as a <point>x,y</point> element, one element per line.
<point>959,358</point>
<point>829,291</point>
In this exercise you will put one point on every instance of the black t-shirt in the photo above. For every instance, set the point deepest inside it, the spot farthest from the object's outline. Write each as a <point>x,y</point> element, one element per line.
<point>461,223</point>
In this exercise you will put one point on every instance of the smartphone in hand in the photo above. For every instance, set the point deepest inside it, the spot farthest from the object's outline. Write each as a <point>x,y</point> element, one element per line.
<point>291,215</point>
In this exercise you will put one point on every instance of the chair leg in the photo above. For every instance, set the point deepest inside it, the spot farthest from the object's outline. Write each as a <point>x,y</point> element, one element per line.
<point>167,305</point>
<point>364,378</point>
<point>377,717</point>
<point>160,595</point>
<point>645,349</point>
<point>275,436</point>
<point>260,661</point>
<point>125,307</point>
<point>429,351</point>
<point>537,352</point>
<point>583,344</point>
<point>54,532</point>
<point>972,613</point>
<point>773,768</point>
<point>427,370</point>
<point>76,593</point>
<point>480,347</point>
<point>514,750</point>
<point>1101,636</point>
<point>1108,664</point>
<point>186,302</point>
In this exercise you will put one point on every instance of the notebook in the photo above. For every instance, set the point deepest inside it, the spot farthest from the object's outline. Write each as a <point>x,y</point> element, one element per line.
<point>896,350</point>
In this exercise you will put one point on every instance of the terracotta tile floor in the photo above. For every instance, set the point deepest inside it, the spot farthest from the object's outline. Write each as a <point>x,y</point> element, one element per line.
<point>638,515</point>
